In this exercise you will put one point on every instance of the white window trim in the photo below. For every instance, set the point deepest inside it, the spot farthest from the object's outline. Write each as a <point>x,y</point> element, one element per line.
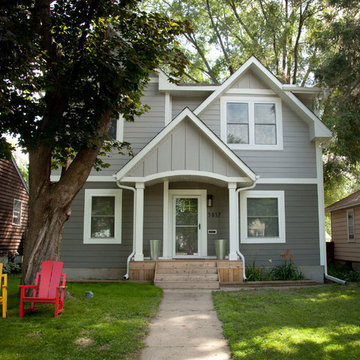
<point>120,129</point>
<point>280,195</point>
<point>347,223</point>
<point>251,100</point>
<point>20,215</point>
<point>89,193</point>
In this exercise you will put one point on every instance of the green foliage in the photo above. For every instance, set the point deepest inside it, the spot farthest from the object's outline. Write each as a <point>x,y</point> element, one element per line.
<point>67,65</point>
<point>225,34</point>
<point>309,324</point>
<point>287,270</point>
<point>11,268</point>
<point>111,325</point>
<point>339,40</point>
<point>343,271</point>
<point>257,273</point>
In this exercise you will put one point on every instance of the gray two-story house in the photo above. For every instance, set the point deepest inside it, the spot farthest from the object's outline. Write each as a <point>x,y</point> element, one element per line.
<point>240,161</point>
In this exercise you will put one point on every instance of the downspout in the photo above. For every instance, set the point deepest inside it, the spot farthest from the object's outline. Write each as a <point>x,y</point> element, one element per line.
<point>238,252</point>
<point>126,276</point>
<point>321,215</point>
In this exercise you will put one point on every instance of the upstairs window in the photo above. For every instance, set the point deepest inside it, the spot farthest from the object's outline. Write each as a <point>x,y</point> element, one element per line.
<point>17,210</point>
<point>251,123</point>
<point>116,129</point>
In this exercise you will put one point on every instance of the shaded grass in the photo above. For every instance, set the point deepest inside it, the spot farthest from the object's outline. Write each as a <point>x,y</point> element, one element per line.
<point>111,325</point>
<point>312,323</point>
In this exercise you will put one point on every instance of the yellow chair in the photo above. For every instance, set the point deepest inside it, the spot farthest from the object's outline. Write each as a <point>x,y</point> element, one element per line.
<point>3,291</point>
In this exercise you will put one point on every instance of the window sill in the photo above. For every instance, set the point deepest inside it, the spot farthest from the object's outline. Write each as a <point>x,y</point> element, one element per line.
<point>255,147</point>
<point>263,241</point>
<point>102,241</point>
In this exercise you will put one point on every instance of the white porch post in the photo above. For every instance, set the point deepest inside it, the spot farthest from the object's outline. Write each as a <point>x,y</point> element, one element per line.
<point>139,222</point>
<point>166,238</point>
<point>233,221</point>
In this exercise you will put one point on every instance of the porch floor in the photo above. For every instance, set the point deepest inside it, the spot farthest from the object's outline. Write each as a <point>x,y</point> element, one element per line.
<point>187,274</point>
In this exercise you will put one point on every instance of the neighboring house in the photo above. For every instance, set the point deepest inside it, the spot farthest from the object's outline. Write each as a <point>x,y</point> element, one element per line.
<point>345,228</point>
<point>239,161</point>
<point>14,198</point>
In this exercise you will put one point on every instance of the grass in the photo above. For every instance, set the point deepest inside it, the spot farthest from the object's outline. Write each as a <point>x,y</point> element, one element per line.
<point>111,325</point>
<point>309,323</point>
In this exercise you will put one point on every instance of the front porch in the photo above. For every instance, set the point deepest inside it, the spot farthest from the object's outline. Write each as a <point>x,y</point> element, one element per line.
<point>188,274</point>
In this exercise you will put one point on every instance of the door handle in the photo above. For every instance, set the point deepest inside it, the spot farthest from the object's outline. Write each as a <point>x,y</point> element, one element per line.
<point>199,226</point>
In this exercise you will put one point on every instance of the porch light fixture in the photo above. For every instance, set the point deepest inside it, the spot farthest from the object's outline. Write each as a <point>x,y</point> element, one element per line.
<point>209,200</point>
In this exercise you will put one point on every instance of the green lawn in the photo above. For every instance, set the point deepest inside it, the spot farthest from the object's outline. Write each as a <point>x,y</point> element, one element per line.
<point>111,325</point>
<point>310,323</point>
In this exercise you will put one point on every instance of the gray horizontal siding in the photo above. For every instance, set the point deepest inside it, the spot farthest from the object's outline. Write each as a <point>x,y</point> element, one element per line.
<point>180,103</point>
<point>302,234</point>
<point>302,229</point>
<point>75,254</point>
<point>296,160</point>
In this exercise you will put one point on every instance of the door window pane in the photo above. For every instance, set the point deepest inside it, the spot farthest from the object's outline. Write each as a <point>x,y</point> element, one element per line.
<point>263,218</point>
<point>186,226</point>
<point>103,217</point>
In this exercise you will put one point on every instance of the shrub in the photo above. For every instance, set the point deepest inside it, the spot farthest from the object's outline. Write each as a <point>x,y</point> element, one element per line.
<point>256,273</point>
<point>287,270</point>
<point>11,268</point>
<point>343,271</point>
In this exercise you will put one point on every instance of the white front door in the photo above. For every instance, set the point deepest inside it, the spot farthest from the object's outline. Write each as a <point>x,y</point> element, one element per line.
<point>188,223</point>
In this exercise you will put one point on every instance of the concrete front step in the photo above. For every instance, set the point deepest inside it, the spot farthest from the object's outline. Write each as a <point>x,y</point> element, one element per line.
<point>211,285</point>
<point>184,277</point>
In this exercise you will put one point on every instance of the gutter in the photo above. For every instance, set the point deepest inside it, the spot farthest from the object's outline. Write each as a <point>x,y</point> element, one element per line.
<point>238,252</point>
<point>126,276</point>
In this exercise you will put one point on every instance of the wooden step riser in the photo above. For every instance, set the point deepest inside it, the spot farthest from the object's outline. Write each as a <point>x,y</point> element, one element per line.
<point>187,271</point>
<point>210,285</point>
<point>186,264</point>
<point>176,277</point>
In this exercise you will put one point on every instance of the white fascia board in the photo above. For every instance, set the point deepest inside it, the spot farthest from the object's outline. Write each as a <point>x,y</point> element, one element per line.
<point>166,85</point>
<point>156,140</point>
<point>317,128</point>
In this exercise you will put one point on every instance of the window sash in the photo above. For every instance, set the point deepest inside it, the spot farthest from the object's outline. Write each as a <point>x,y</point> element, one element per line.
<point>17,212</point>
<point>350,225</point>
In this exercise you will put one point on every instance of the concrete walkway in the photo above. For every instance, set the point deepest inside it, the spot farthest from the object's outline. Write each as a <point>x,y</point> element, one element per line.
<point>186,328</point>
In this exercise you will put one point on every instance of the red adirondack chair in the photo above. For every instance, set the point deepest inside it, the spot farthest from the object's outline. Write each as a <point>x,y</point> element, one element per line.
<point>47,288</point>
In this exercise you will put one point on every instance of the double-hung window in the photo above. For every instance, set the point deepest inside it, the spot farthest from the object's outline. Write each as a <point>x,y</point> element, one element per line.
<point>17,212</point>
<point>251,123</point>
<point>350,225</point>
<point>262,215</point>
<point>116,129</point>
<point>102,216</point>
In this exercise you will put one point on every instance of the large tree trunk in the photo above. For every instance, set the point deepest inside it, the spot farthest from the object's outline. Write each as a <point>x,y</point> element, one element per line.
<point>50,203</point>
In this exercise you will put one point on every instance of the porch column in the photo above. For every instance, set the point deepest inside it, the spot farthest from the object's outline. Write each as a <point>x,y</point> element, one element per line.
<point>233,221</point>
<point>166,237</point>
<point>139,222</point>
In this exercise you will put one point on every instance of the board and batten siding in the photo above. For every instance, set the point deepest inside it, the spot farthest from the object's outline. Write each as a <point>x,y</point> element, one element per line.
<point>186,148</point>
<point>11,187</point>
<point>343,249</point>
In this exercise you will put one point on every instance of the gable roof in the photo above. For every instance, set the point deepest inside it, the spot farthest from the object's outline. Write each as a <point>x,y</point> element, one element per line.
<point>186,114</point>
<point>317,128</point>
<point>349,201</point>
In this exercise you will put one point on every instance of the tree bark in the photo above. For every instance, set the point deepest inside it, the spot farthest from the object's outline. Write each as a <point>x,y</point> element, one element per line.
<point>50,203</point>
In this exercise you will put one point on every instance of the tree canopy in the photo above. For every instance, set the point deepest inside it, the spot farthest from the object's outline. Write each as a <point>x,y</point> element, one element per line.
<point>67,69</point>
